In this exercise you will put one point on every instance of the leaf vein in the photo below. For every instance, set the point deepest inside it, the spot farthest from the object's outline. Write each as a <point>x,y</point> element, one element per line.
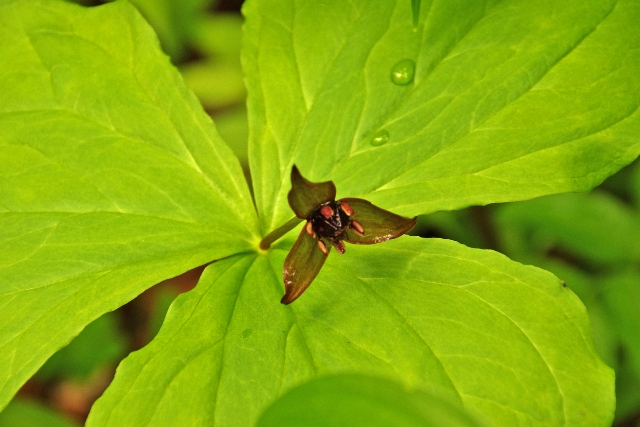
<point>533,82</point>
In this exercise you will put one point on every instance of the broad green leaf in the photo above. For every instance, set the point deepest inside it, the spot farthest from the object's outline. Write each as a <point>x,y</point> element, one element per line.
<point>460,226</point>
<point>621,184</point>
<point>217,79</point>
<point>216,84</point>
<point>589,289</point>
<point>622,297</point>
<point>635,185</point>
<point>622,294</point>
<point>161,304</point>
<point>234,129</point>
<point>175,22</point>
<point>25,413</point>
<point>219,36</point>
<point>356,400</point>
<point>100,343</point>
<point>511,99</point>
<point>627,392</point>
<point>112,178</point>
<point>595,227</point>
<point>506,340</point>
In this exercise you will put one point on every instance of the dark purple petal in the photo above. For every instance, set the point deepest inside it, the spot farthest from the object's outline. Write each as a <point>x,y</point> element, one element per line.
<point>379,225</point>
<point>302,266</point>
<point>305,197</point>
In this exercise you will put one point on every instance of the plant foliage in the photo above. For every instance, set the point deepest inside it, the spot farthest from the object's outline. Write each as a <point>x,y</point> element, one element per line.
<point>113,178</point>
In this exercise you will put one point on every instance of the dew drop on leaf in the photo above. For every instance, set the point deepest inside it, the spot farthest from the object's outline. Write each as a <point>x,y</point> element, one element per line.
<point>379,138</point>
<point>402,73</point>
<point>246,333</point>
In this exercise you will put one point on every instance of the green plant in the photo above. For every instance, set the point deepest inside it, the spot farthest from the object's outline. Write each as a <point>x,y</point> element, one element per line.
<point>593,242</point>
<point>23,413</point>
<point>360,400</point>
<point>112,178</point>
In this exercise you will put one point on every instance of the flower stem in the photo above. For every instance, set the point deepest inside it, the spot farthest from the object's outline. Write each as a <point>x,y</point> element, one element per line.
<point>266,242</point>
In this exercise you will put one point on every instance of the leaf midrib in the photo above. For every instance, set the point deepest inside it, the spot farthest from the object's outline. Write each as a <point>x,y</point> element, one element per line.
<point>133,71</point>
<point>279,194</point>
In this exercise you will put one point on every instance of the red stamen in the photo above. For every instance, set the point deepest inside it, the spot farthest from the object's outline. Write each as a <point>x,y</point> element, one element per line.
<point>326,211</point>
<point>309,229</point>
<point>346,208</point>
<point>323,247</point>
<point>357,227</point>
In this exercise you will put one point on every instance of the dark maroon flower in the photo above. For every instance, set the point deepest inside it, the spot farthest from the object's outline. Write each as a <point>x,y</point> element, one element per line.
<point>330,223</point>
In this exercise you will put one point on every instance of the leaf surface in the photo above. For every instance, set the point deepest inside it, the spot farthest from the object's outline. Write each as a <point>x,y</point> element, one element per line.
<point>26,413</point>
<point>175,22</point>
<point>357,400</point>
<point>622,295</point>
<point>100,344</point>
<point>510,100</point>
<point>112,178</point>
<point>596,228</point>
<point>507,341</point>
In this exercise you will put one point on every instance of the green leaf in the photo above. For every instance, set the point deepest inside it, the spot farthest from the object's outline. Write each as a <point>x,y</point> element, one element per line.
<point>100,343</point>
<point>627,392</point>
<point>216,84</point>
<point>461,226</point>
<point>25,413</point>
<point>589,289</point>
<point>234,129</point>
<point>217,79</point>
<point>622,298</point>
<point>511,100</point>
<point>219,36</point>
<point>161,304</point>
<point>356,400</point>
<point>112,178</point>
<point>595,227</point>
<point>175,22</point>
<point>635,184</point>
<point>507,341</point>
<point>622,294</point>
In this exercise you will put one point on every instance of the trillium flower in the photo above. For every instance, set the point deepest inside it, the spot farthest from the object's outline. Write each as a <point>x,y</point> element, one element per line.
<point>330,223</point>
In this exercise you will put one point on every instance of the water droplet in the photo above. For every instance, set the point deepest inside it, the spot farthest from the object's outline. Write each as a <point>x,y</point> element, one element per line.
<point>246,333</point>
<point>379,138</point>
<point>402,73</point>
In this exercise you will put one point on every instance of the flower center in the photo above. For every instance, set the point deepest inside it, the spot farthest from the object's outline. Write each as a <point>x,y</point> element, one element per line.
<point>329,221</point>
